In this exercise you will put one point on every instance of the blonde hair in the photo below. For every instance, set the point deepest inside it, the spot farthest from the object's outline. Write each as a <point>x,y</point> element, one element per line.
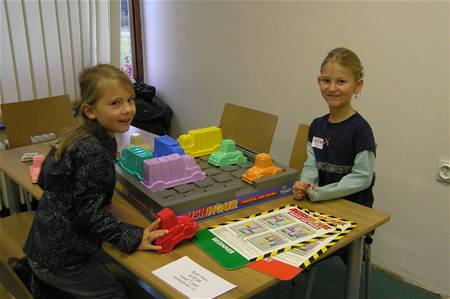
<point>93,83</point>
<point>346,58</point>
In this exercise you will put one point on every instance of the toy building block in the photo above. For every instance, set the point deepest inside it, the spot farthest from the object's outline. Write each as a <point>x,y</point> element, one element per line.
<point>27,157</point>
<point>169,171</point>
<point>201,142</point>
<point>180,228</point>
<point>137,139</point>
<point>35,168</point>
<point>227,155</point>
<point>166,145</point>
<point>132,158</point>
<point>263,168</point>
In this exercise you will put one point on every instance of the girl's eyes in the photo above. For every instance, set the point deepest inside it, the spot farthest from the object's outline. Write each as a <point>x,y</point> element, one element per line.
<point>340,82</point>
<point>117,102</point>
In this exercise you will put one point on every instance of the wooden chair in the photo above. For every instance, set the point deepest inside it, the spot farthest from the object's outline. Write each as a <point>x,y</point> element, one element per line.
<point>37,117</point>
<point>249,128</point>
<point>4,293</point>
<point>299,153</point>
<point>26,119</point>
<point>14,230</point>
<point>11,283</point>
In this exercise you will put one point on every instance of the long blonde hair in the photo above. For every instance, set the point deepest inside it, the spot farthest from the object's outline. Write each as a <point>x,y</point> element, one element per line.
<point>93,83</point>
<point>346,58</point>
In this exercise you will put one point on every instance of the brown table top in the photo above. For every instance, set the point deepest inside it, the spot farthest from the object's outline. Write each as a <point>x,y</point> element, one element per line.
<point>18,171</point>
<point>249,282</point>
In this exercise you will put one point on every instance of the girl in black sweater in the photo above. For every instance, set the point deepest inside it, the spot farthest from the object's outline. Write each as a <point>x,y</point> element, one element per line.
<point>78,178</point>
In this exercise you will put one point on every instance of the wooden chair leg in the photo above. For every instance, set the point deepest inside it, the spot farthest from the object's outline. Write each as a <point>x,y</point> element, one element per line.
<point>12,282</point>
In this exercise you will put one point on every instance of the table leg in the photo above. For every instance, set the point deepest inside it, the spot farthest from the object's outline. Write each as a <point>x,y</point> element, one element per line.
<point>353,272</point>
<point>10,193</point>
<point>25,198</point>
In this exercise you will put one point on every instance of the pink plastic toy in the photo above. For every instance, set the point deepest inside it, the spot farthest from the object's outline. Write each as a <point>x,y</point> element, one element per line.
<point>169,171</point>
<point>35,168</point>
<point>180,228</point>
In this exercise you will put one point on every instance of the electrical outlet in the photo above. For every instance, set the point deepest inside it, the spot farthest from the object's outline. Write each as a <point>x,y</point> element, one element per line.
<point>443,172</point>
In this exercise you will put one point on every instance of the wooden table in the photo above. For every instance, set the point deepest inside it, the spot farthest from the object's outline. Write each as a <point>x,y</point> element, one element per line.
<point>17,171</point>
<point>249,282</point>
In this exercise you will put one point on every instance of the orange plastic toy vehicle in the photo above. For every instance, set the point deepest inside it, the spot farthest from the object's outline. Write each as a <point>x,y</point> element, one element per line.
<point>263,168</point>
<point>180,228</point>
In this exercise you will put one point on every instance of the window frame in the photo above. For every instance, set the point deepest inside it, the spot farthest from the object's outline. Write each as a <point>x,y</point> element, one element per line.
<point>134,13</point>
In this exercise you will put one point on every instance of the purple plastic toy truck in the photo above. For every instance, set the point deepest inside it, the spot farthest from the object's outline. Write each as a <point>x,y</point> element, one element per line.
<point>169,171</point>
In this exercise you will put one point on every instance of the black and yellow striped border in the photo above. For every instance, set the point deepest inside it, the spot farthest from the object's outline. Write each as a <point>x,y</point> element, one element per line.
<point>318,238</point>
<point>308,211</point>
<point>254,215</point>
<point>315,256</point>
<point>274,253</point>
<point>314,213</point>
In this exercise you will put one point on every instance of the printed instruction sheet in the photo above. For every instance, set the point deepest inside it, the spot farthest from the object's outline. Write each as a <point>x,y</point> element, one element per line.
<point>270,232</point>
<point>192,279</point>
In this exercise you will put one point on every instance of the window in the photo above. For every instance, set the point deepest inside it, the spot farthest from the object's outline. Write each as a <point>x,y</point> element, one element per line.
<point>131,61</point>
<point>126,58</point>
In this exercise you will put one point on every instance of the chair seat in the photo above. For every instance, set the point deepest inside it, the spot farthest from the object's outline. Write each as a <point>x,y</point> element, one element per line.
<point>14,230</point>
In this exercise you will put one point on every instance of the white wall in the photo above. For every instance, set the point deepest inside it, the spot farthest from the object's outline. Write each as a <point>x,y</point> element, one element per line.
<point>266,55</point>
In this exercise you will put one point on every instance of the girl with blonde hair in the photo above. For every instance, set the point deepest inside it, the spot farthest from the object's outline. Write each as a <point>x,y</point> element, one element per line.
<point>341,145</point>
<point>78,179</point>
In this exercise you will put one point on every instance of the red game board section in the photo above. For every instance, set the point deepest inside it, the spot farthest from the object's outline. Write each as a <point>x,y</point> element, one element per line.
<point>275,268</point>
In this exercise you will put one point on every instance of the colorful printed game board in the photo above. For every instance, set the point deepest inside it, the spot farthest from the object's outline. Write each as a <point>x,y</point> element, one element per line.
<point>245,240</point>
<point>287,265</point>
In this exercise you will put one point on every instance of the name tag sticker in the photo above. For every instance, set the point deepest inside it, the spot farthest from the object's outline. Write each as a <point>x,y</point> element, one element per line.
<point>317,142</point>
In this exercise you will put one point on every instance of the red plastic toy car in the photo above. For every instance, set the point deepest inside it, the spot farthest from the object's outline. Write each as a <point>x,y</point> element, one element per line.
<point>180,228</point>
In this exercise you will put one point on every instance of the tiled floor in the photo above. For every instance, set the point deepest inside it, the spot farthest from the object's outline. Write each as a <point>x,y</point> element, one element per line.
<point>329,283</point>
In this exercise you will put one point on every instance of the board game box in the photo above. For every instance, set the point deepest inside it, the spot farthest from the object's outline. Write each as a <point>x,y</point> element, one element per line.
<point>222,191</point>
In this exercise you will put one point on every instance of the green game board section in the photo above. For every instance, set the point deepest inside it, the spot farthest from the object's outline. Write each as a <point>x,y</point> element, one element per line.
<point>226,256</point>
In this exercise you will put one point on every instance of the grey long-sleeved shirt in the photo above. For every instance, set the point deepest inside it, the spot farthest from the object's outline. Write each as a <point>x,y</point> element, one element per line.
<point>358,179</point>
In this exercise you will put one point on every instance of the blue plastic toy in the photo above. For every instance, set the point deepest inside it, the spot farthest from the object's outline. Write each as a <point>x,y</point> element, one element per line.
<point>166,145</point>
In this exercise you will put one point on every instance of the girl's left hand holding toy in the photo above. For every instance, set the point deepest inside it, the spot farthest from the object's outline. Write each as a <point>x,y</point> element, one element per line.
<point>151,233</point>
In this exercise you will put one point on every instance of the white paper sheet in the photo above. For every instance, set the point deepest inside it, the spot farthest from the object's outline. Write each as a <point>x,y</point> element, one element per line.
<point>192,279</point>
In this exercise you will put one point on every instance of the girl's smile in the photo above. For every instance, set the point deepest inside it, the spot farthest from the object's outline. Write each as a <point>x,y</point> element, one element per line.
<point>338,86</point>
<point>114,110</point>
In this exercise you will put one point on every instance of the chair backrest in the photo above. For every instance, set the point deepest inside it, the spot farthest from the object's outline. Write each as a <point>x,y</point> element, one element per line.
<point>249,128</point>
<point>299,154</point>
<point>37,117</point>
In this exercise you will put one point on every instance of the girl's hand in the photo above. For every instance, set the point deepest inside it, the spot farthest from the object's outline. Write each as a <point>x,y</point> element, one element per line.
<point>151,233</point>
<point>299,189</point>
<point>310,189</point>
